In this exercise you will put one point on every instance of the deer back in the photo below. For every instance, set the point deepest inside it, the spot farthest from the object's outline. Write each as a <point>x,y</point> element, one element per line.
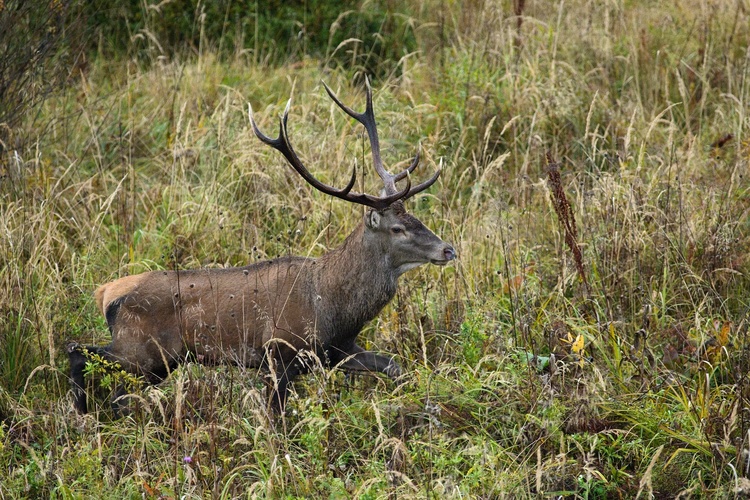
<point>215,314</point>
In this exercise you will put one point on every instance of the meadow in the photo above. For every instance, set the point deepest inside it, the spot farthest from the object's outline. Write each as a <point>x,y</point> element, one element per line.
<point>590,341</point>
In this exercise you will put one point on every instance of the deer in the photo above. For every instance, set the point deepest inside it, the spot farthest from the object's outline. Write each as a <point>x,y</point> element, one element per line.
<point>273,314</point>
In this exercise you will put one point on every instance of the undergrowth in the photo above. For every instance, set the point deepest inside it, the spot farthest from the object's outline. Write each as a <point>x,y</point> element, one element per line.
<point>594,347</point>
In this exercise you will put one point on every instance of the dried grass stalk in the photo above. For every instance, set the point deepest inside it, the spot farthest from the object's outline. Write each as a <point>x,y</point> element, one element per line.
<point>565,216</point>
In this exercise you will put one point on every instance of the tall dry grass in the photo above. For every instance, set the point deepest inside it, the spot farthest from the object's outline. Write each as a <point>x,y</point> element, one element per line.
<point>521,381</point>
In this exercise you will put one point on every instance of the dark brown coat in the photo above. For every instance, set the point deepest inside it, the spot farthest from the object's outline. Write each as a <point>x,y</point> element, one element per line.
<point>275,308</point>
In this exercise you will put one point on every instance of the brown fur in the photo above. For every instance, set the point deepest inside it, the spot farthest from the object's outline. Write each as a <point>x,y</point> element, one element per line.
<point>265,313</point>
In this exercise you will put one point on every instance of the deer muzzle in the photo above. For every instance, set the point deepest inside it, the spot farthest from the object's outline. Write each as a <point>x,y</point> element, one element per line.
<point>449,254</point>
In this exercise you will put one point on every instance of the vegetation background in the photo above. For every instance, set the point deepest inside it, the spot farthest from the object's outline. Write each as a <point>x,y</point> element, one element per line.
<point>590,342</point>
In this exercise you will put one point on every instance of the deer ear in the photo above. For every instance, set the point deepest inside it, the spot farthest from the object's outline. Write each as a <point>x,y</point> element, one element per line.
<point>372,219</point>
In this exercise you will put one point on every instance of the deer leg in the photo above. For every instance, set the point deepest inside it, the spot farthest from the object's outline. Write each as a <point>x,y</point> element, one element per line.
<point>278,390</point>
<point>118,402</point>
<point>77,365</point>
<point>77,355</point>
<point>357,359</point>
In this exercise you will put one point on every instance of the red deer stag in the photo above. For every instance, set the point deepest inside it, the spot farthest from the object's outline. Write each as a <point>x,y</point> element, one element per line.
<point>267,314</point>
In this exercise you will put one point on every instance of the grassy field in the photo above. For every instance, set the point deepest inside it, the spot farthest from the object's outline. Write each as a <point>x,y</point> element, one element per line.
<point>591,340</point>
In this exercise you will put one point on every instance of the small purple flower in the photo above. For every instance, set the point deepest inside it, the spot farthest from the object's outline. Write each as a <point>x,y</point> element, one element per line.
<point>187,459</point>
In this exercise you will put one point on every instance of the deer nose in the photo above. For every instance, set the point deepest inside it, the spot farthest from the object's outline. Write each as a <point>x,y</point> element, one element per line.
<point>449,253</point>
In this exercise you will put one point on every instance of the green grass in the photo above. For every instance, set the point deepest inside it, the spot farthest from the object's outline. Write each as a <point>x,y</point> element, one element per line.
<point>152,168</point>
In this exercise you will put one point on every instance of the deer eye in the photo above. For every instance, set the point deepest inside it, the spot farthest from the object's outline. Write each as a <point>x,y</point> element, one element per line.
<point>397,229</point>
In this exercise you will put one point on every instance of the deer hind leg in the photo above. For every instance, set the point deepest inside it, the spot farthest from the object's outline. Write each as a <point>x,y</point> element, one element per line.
<point>78,356</point>
<point>119,402</point>
<point>278,390</point>
<point>356,358</point>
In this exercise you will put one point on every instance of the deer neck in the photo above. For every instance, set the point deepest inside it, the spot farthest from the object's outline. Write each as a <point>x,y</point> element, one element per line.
<point>355,280</point>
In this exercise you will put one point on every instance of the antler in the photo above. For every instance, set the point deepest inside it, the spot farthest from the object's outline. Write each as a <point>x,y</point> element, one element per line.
<point>282,144</point>
<point>367,119</point>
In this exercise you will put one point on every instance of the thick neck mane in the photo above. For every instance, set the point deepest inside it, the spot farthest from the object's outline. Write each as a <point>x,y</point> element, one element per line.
<point>354,281</point>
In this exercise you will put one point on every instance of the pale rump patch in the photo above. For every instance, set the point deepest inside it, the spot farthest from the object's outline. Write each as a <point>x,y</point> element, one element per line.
<point>109,292</point>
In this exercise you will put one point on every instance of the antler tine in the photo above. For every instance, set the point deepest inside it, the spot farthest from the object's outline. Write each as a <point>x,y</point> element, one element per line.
<point>421,187</point>
<point>410,169</point>
<point>424,185</point>
<point>368,120</point>
<point>282,144</point>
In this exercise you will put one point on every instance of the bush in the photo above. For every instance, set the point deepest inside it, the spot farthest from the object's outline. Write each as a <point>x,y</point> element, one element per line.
<point>273,32</point>
<point>39,50</point>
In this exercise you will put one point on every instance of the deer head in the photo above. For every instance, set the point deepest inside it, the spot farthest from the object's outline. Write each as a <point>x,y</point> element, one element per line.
<point>400,236</point>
